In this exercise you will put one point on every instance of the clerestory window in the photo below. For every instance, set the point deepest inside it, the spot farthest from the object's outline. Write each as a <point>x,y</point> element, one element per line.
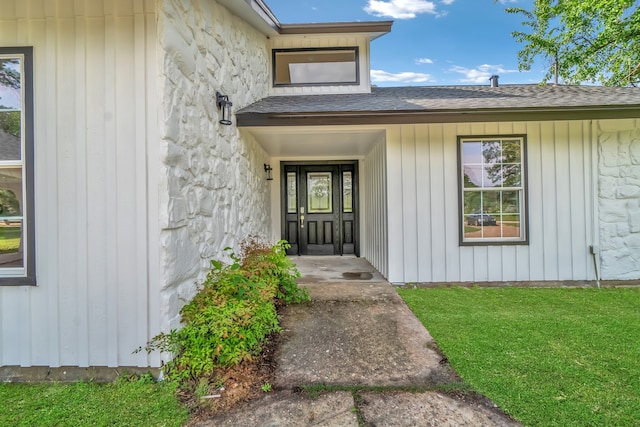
<point>315,66</point>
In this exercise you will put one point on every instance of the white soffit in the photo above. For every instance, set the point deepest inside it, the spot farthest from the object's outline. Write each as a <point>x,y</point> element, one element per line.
<point>256,13</point>
<point>316,141</point>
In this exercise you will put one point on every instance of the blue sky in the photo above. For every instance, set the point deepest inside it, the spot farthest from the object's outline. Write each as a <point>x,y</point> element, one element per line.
<point>440,42</point>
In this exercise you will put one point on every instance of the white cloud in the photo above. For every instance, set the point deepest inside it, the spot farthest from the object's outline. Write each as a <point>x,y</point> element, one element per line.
<point>405,77</point>
<point>424,61</point>
<point>400,9</point>
<point>481,73</point>
<point>447,2</point>
<point>507,1</point>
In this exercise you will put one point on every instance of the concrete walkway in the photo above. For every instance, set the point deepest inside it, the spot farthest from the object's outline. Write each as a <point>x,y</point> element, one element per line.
<point>357,331</point>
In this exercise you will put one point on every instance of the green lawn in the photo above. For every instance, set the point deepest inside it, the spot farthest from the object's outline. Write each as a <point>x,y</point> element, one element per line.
<point>10,239</point>
<point>548,357</point>
<point>89,404</point>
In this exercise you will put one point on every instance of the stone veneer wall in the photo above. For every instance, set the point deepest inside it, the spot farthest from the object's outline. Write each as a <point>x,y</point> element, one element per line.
<point>619,198</point>
<point>214,193</point>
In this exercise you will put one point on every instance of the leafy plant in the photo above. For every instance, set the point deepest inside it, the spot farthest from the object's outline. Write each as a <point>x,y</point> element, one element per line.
<point>232,315</point>
<point>266,387</point>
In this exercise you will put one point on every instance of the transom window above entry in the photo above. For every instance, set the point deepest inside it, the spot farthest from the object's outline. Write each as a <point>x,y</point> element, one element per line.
<point>315,66</point>
<point>492,182</point>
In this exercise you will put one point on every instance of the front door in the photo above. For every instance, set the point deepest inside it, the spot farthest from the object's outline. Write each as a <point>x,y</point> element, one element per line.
<point>319,208</point>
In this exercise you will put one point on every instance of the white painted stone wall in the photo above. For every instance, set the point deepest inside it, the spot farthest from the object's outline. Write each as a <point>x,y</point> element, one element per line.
<point>214,193</point>
<point>619,198</point>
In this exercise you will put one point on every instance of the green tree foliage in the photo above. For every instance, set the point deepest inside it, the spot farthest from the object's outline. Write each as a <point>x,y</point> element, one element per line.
<point>583,40</point>
<point>9,77</point>
<point>10,122</point>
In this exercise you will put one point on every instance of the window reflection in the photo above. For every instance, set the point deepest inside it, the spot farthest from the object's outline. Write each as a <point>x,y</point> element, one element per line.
<point>492,188</point>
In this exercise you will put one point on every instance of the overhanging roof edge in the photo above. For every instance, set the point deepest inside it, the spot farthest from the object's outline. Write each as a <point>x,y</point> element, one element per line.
<point>249,119</point>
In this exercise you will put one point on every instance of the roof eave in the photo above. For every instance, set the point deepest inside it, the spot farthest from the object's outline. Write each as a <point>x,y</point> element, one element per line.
<point>374,28</point>
<point>249,119</point>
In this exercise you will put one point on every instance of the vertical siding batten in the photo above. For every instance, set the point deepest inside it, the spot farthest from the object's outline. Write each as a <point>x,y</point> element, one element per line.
<point>82,276</point>
<point>48,169</point>
<point>111,190</point>
<point>67,205</point>
<point>140,278</point>
<point>394,205</point>
<point>423,206</point>
<point>563,196</point>
<point>409,214</point>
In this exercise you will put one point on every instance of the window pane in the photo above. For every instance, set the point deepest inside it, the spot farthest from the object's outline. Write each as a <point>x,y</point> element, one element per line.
<point>472,152</point>
<point>511,150</point>
<point>510,202</point>
<point>492,176</point>
<point>472,176</point>
<point>10,84</point>
<point>491,202</point>
<point>10,192</point>
<point>10,132</point>
<point>512,175</point>
<point>11,252</point>
<point>292,193</point>
<point>319,192</point>
<point>472,201</point>
<point>347,197</point>
<point>510,225</point>
<point>316,66</point>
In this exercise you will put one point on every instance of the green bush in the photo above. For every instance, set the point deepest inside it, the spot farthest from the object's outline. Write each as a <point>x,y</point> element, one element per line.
<point>234,312</point>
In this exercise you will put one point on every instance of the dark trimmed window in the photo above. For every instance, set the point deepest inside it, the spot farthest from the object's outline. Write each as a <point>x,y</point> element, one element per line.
<point>315,66</point>
<point>17,250</point>
<point>492,186</point>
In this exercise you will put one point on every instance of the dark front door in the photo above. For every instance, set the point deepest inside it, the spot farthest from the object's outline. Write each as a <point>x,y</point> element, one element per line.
<point>320,214</point>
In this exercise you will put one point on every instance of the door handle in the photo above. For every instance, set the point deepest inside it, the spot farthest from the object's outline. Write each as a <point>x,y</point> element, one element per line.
<point>301,221</point>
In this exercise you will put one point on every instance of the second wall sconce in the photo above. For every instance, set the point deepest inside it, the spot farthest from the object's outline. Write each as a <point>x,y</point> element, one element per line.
<point>268,169</point>
<point>225,106</point>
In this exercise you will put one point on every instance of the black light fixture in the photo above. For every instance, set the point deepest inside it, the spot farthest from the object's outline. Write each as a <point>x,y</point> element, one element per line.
<point>268,169</point>
<point>225,106</point>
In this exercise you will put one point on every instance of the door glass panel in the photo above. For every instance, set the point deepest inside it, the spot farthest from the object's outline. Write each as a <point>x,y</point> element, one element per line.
<point>319,192</point>
<point>347,198</point>
<point>292,194</point>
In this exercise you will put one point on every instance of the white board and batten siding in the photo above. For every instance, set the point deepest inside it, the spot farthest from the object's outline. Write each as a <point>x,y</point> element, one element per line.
<point>374,198</point>
<point>423,203</point>
<point>95,120</point>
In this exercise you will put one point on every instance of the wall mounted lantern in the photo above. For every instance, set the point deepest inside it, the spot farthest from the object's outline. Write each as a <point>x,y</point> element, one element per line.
<point>225,106</point>
<point>268,169</point>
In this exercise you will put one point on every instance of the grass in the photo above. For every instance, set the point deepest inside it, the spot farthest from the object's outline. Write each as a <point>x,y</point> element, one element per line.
<point>10,239</point>
<point>548,357</point>
<point>123,403</point>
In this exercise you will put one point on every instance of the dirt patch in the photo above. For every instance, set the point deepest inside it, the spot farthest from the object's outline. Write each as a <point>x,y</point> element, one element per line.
<point>234,386</point>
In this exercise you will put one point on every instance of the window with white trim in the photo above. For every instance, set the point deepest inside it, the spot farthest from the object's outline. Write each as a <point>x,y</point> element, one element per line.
<point>17,252</point>
<point>492,186</point>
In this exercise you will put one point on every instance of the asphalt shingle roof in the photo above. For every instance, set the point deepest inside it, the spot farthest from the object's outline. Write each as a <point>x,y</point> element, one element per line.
<point>10,146</point>
<point>450,98</point>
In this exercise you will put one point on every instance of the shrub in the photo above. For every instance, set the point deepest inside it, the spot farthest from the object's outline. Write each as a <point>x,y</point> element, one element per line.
<point>230,318</point>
